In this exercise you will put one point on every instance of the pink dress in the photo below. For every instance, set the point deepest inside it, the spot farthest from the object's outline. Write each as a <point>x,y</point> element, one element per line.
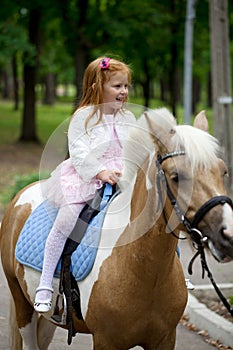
<point>66,186</point>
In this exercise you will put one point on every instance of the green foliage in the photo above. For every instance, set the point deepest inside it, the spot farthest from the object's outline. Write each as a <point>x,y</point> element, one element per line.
<point>20,181</point>
<point>54,57</point>
<point>132,30</point>
<point>147,34</point>
<point>13,38</point>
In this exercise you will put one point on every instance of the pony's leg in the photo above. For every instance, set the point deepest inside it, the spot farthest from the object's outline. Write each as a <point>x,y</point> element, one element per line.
<point>101,342</point>
<point>45,333</point>
<point>15,339</point>
<point>36,333</point>
<point>26,318</point>
<point>168,343</point>
<point>29,334</point>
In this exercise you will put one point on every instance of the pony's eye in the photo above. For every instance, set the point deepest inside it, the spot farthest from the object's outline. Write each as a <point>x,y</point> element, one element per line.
<point>174,177</point>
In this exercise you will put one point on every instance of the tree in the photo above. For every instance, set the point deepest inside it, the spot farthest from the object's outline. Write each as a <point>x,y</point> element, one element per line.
<point>221,80</point>
<point>188,72</point>
<point>67,35</point>
<point>28,130</point>
<point>152,37</point>
<point>56,65</point>
<point>75,27</point>
<point>13,41</point>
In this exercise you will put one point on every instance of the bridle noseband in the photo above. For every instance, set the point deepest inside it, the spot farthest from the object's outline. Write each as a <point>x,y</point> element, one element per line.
<point>191,227</point>
<point>207,206</point>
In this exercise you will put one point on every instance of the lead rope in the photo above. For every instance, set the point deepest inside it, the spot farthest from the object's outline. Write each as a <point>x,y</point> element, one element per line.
<point>201,252</point>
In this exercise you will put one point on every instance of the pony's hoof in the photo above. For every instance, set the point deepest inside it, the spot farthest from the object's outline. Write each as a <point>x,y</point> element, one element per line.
<point>43,306</point>
<point>189,284</point>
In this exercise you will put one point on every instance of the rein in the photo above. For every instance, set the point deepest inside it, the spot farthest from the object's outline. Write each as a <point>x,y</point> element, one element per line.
<point>191,227</point>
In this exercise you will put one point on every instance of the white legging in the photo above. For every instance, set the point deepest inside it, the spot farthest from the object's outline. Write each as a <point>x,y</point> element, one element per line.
<point>63,226</point>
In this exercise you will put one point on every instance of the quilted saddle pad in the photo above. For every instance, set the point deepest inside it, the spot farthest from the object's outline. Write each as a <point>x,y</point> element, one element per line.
<point>30,246</point>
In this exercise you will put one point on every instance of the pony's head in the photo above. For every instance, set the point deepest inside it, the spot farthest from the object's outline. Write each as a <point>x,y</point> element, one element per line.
<point>194,174</point>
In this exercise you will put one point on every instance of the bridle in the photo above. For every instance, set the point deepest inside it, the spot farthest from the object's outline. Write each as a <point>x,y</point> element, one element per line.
<point>190,226</point>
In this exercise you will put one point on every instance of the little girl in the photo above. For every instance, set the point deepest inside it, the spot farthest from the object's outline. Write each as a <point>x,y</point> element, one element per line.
<point>96,134</point>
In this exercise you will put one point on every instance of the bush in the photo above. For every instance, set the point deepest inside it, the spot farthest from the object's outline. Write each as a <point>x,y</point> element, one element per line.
<point>22,181</point>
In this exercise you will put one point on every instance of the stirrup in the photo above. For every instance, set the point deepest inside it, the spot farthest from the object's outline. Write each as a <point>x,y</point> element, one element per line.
<point>61,303</point>
<point>43,305</point>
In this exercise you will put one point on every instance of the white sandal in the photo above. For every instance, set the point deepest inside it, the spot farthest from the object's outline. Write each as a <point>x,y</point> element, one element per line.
<point>43,305</point>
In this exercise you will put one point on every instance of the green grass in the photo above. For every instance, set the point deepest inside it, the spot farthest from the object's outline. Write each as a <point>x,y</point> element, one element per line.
<point>20,181</point>
<point>9,123</point>
<point>48,118</point>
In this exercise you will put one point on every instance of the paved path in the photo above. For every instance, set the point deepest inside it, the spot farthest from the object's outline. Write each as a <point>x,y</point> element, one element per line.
<point>222,273</point>
<point>186,339</point>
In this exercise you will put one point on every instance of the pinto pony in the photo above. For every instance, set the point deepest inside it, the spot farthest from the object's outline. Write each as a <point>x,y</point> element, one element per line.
<point>135,293</point>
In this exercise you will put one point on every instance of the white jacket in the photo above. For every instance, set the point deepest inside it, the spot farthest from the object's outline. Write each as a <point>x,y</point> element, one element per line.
<point>87,147</point>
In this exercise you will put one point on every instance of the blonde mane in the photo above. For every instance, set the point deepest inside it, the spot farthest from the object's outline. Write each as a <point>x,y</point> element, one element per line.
<point>201,149</point>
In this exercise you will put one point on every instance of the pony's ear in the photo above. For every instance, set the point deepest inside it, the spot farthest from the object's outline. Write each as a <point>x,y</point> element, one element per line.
<point>201,121</point>
<point>160,129</point>
<point>149,122</point>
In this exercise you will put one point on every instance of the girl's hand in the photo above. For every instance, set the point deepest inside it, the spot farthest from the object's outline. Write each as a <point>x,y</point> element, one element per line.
<point>110,176</point>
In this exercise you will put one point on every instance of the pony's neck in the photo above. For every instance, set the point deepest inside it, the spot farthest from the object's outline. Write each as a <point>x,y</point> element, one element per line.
<point>144,245</point>
<point>146,218</point>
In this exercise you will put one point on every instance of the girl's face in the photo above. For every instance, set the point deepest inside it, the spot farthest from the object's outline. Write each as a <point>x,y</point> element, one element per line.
<point>115,92</point>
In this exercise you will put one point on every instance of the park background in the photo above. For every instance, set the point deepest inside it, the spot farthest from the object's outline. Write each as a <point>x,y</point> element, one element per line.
<point>46,46</point>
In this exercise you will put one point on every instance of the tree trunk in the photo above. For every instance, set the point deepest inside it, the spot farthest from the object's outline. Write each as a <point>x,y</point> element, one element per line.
<point>78,41</point>
<point>82,48</point>
<point>50,89</point>
<point>221,81</point>
<point>81,60</point>
<point>15,82</point>
<point>146,83</point>
<point>209,90</point>
<point>173,74</point>
<point>164,89</point>
<point>188,61</point>
<point>28,131</point>
<point>196,94</point>
<point>6,84</point>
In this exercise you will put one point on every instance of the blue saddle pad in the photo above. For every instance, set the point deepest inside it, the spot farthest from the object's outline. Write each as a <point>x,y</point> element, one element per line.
<point>30,246</point>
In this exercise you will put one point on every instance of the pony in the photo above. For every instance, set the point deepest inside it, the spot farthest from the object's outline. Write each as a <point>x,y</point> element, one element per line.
<point>135,293</point>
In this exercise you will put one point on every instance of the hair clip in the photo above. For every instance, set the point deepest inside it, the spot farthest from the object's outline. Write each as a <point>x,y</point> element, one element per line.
<point>104,64</point>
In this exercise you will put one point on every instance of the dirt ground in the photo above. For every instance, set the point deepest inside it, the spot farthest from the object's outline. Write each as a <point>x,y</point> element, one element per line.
<point>16,160</point>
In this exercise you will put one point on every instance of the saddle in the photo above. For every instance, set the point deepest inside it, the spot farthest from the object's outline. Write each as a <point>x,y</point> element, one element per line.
<point>69,294</point>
